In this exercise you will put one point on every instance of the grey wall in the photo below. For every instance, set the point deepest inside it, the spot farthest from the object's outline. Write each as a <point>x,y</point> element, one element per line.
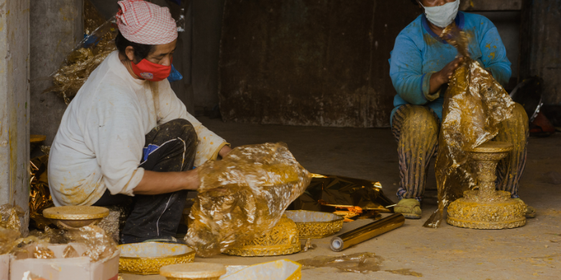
<point>56,28</point>
<point>508,23</point>
<point>541,46</point>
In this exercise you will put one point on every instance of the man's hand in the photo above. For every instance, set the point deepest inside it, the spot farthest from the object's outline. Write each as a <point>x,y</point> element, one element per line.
<point>443,76</point>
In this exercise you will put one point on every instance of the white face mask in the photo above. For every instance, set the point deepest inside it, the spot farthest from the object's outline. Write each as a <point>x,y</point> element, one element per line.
<point>444,15</point>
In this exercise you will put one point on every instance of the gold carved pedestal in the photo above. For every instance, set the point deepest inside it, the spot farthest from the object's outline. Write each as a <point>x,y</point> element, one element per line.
<point>487,208</point>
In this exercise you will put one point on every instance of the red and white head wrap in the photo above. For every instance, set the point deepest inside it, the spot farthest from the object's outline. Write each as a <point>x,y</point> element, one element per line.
<point>146,23</point>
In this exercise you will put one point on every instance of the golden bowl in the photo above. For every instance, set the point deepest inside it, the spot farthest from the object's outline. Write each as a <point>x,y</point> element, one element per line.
<point>281,269</point>
<point>313,224</point>
<point>193,271</point>
<point>74,217</point>
<point>148,257</point>
<point>282,240</point>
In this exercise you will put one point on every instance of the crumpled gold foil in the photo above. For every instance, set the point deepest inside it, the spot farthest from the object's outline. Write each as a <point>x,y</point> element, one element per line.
<point>8,238</point>
<point>474,104</point>
<point>92,18</point>
<point>39,194</point>
<point>99,245</point>
<point>9,217</point>
<point>83,60</point>
<point>243,196</point>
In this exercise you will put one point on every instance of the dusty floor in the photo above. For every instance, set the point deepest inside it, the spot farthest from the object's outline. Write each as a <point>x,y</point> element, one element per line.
<point>530,252</point>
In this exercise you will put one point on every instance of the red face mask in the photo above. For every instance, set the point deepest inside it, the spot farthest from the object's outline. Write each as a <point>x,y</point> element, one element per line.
<point>151,71</point>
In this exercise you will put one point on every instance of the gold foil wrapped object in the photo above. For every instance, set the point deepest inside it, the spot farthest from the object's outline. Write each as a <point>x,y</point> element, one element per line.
<point>148,257</point>
<point>486,208</point>
<point>366,232</point>
<point>243,196</point>
<point>474,104</point>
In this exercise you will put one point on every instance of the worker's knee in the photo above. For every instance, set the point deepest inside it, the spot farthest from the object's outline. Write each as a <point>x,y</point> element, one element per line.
<point>420,119</point>
<point>181,128</point>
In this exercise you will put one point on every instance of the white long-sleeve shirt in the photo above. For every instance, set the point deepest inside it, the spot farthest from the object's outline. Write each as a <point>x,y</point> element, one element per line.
<point>100,140</point>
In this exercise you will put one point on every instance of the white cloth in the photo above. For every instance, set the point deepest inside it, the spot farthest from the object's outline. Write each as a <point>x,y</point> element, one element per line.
<point>100,140</point>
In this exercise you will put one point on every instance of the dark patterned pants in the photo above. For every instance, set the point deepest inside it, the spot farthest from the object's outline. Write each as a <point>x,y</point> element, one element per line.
<point>170,147</point>
<point>416,128</point>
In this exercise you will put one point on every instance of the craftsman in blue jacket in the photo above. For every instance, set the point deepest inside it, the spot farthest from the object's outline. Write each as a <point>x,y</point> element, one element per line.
<point>421,65</point>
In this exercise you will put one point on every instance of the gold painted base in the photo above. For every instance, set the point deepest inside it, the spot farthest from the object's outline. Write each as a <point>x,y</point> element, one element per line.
<point>502,212</point>
<point>282,240</point>
<point>148,257</point>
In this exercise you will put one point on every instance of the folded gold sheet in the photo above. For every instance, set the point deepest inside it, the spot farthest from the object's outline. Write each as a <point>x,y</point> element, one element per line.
<point>327,192</point>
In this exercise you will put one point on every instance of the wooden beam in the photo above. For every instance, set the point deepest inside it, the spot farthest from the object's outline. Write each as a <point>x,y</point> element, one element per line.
<point>494,5</point>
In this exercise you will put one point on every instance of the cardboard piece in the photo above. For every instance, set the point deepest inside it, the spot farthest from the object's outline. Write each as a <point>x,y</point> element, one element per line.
<point>4,266</point>
<point>65,269</point>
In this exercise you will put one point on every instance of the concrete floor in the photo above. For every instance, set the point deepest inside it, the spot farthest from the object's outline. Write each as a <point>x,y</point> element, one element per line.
<point>530,252</point>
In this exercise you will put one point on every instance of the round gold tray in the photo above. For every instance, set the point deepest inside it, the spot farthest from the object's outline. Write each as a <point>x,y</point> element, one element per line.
<point>279,269</point>
<point>72,217</point>
<point>192,271</point>
<point>313,224</point>
<point>281,240</point>
<point>149,257</point>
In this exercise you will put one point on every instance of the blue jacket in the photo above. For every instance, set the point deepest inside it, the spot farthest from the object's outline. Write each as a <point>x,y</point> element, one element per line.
<point>419,52</point>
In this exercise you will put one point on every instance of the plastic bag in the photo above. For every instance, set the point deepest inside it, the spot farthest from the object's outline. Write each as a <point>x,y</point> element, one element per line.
<point>8,238</point>
<point>474,104</point>
<point>9,217</point>
<point>99,245</point>
<point>243,196</point>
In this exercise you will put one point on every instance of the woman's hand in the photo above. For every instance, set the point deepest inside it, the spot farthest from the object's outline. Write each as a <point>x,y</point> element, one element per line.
<point>443,76</point>
<point>448,70</point>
